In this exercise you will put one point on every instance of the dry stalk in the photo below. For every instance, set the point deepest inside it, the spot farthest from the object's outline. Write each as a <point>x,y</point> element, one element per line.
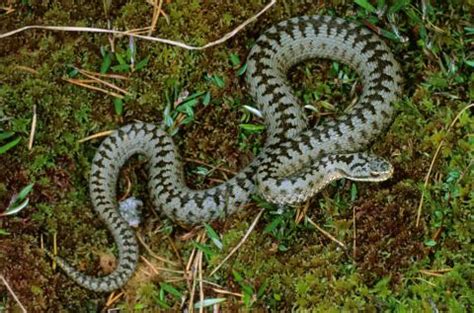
<point>150,38</point>
<point>98,135</point>
<point>106,83</point>
<point>201,288</point>
<point>113,298</point>
<point>147,248</point>
<point>325,233</point>
<point>80,83</point>
<point>354,243</point>
<point>33,129</point>
<point>222,169</point>
<point>438,149</point>
<point>156,15</point>
<point>114,76</point>
<point>10,290</point>
<point>301,212</point>
<point>247,234</point>
<point>27,69</point>
<point>128,190</point>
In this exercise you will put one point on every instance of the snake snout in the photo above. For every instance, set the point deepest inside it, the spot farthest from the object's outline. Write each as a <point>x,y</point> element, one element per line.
<point>380,169</point>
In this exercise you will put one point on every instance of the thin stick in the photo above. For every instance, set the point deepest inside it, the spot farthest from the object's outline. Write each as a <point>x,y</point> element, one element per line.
<point>13,293</point>
<point>441,270</point>
<point>325,233</point>
<point>147,248</point>
<point>98,135</point>
<point>247,234</point>
<point>354,242</point>
<point>33,129</point>
<point>431,273</point>
<point>201,288</point>
<point>301,212</point>
<point>212,284</point>
<point>155,39</point>
<point>193,288</point>
<point>79,83</point>
<point>156,15</point>
<point>211,166</point>
<point>115,76</point>
<point>113,298</point>
<point>427,177</point>
<point>55,250</point>
<point>27,69</point>
<point>156,269</point>
<point>226,292</point>
<point>127,190</point>
<point>105,83</point>
<point>173,246</point>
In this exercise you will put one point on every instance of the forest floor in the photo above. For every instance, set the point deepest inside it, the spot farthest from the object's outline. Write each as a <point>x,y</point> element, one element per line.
<point>377,256</point>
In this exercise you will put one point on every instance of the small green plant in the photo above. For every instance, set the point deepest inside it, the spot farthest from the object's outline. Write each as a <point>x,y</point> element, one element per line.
<point>165,291</point>
<point>237,64</point>
<point>214,236</point>
<point>216,80</point>
<point>250,295</point>
<point>4,136</point>
<point>126,60</point>
<point>373,15</point>
<point>18,202</point>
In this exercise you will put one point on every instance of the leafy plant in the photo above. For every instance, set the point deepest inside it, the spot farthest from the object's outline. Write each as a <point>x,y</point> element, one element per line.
<point>18,202</point>
<point>167,290</point>
<point>10,144</point>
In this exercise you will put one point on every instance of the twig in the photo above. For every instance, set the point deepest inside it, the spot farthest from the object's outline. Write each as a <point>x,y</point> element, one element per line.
<point>9,9</point>
<point>79,83</point>
<point>113,298</point>
<point>427,177</point>
<point>27,69</point>
<point>431,273</point>
<point>247,234</point>
<point>226,292</point>
<point>157,269</point>
<point>436,272</point>
<point>156,15</point>
<point>33,129</point>
<point>147,248</point>
<point>211,166</point>
<point>12,293</point>
<point>94,78</point>
<point>55,250</point>
<point>354,243</point>
<point>115,76</point>
<point>301,212</point>
<point>173,246</point>
<point>325,233</point>
<point>155,39</point>
<point>128,190</point>
<point>201,288</point>
<point>98,135</point>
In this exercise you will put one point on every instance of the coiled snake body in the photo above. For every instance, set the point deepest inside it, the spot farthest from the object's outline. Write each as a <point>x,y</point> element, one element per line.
<point>295,163</point>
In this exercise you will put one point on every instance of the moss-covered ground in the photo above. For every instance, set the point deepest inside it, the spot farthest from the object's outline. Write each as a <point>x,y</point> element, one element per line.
<point>389,263</point>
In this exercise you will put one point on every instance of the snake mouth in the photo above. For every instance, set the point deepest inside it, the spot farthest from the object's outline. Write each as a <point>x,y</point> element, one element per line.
<point>380,176</point>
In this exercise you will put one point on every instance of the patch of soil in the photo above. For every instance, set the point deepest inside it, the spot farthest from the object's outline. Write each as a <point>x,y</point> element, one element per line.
<point>387,239</point>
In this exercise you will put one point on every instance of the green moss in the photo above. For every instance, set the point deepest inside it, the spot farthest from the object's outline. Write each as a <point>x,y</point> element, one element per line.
<point>291,266</point>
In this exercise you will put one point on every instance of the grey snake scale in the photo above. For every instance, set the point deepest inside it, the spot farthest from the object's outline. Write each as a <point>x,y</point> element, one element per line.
<point>295,163</point>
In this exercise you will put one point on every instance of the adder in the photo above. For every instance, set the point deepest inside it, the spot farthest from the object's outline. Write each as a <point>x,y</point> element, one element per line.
<point>295,162</point>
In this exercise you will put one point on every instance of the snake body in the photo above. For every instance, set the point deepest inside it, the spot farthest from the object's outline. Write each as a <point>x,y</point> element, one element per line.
<point>295,163</point>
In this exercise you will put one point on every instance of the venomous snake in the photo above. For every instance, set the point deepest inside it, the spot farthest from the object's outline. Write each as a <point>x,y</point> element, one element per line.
<point>295,163</point>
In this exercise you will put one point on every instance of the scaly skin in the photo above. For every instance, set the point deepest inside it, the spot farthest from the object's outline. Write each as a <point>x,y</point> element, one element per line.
<point>295,163</point>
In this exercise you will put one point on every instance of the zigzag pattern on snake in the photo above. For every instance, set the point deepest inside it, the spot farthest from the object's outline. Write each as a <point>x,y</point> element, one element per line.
<point>295,163</point>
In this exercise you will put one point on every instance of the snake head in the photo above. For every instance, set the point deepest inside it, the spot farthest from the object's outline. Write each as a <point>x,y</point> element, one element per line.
<point>367,167</point>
